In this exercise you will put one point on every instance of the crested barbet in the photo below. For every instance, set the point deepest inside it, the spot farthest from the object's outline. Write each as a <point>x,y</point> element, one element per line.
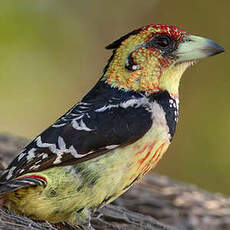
<point>111,138</point>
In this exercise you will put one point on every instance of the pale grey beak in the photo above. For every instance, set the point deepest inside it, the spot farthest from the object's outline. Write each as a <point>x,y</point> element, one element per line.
<point>196,48</point>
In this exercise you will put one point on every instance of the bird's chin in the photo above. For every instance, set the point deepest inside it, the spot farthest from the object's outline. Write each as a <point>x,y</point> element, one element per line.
<point>187,64</point>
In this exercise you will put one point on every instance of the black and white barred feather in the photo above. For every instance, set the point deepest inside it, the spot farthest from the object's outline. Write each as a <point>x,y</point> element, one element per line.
<point>105,119</point>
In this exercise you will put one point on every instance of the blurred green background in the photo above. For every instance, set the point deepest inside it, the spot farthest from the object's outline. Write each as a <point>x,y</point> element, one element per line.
<point>52,52</point>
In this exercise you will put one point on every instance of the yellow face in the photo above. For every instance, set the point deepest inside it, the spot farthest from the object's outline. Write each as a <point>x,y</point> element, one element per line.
<point>153,58</point>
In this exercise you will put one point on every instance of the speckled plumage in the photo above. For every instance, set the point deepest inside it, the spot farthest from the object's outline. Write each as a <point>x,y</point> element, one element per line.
<point>113,136</point>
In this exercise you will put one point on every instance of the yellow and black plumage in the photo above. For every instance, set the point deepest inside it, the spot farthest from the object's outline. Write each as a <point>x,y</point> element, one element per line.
<point>113,136</point>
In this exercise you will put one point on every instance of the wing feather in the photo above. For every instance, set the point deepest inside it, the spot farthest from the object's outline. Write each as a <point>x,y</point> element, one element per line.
<point>85,132</point>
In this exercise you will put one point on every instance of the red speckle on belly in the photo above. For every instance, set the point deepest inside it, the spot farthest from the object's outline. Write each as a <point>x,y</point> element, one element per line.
<point>160,149</point>
<point>145,147</point>
<point>145,163</point>
<point>148,165</point>
<point>142,160</point>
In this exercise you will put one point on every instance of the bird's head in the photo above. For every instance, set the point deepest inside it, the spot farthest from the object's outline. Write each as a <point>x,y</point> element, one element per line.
<point>154,57</point>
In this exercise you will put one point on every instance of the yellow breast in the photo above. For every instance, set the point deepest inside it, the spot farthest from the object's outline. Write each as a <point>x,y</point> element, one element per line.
<point>96,182</point>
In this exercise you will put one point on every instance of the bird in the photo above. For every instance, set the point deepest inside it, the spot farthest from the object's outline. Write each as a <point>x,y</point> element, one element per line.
<point>113,136</point>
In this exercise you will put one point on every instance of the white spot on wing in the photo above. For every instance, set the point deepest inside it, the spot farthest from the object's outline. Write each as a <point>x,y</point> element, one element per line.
<point>44,156</point>
<point>102,109</point>
<point>58,125</point>
<point>21,155</point>
<point>31,154</point>
<point>52,147</point>
<point>74,152</point>
<point>61,143</point>
<point>130,103</point>
<point>111,146</point>
<point>78,111</point>
<point>58,159</point>
<point>10,173</point>
<point>34,167</point>
<point>59,151</point>
<point>80,125</point>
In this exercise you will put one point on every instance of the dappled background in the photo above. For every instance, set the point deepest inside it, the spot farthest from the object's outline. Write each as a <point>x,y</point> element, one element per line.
<point>52,52</point>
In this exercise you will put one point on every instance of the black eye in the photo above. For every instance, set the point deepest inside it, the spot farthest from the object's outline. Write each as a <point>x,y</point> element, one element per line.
<point>163,42</point>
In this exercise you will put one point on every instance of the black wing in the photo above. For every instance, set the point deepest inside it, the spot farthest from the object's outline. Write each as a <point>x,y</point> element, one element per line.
<point>96,125</point>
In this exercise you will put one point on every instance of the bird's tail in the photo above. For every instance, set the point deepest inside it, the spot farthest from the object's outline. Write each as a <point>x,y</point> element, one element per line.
<point>21,182</point>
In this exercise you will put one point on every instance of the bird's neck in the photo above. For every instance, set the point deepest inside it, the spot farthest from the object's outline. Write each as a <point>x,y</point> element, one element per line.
<point>104,94</point>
